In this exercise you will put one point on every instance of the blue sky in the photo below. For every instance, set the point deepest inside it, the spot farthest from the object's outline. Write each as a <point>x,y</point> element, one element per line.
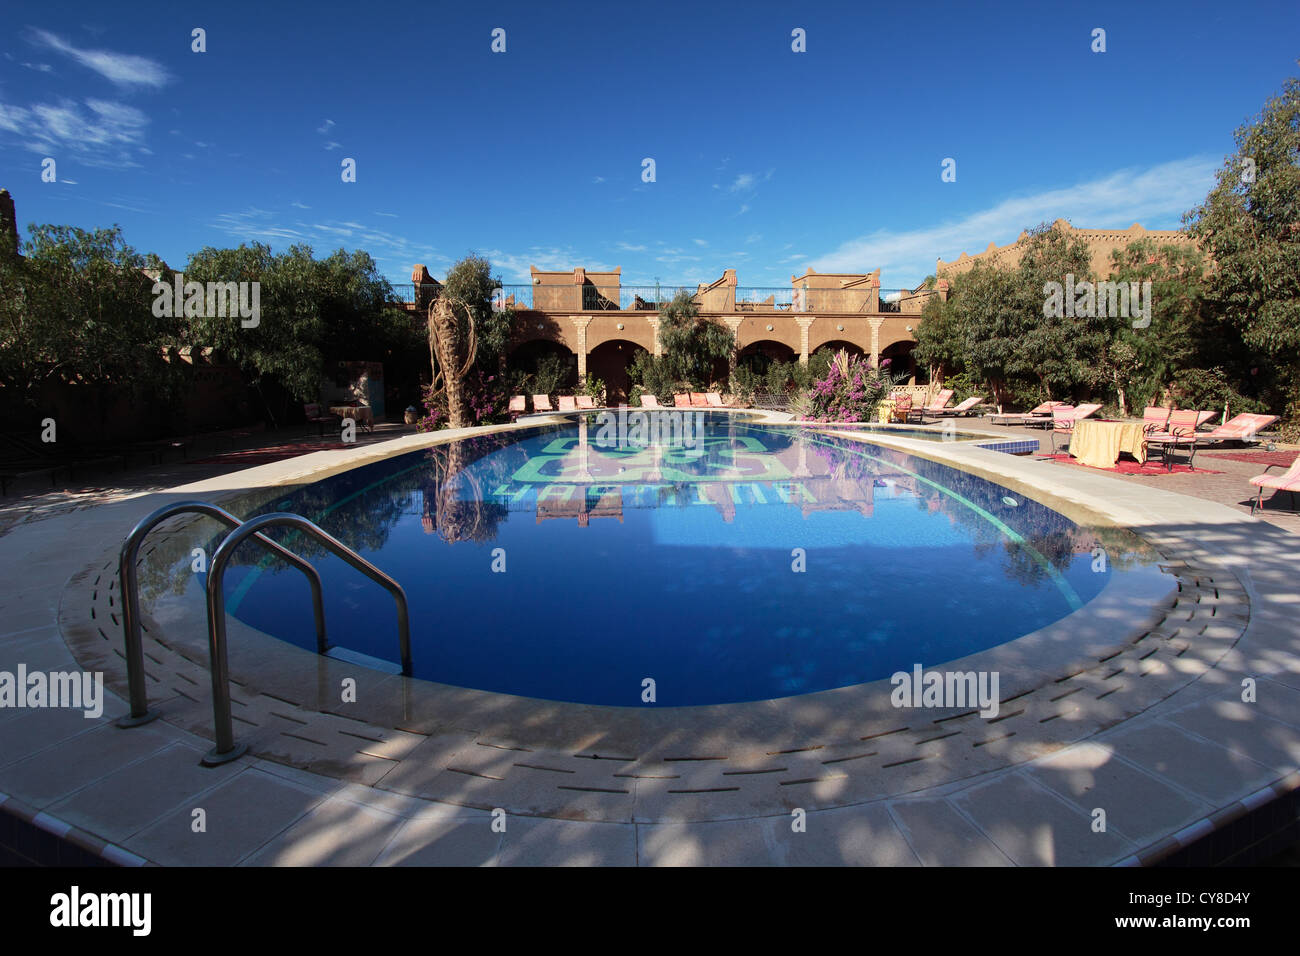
<point>766,160</point>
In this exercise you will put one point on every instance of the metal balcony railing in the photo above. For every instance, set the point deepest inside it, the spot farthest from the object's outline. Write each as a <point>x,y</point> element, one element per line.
<point>650,298</point>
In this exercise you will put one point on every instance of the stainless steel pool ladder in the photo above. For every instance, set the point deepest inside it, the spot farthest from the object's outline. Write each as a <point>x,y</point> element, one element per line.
<point>225,748</point>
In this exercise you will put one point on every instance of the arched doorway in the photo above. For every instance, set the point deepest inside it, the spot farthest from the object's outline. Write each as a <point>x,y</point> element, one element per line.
<point>761,355</point>
<point>528,357</point>
<point>900,359</point>
<point>609,362</point>
<point>835,345</point>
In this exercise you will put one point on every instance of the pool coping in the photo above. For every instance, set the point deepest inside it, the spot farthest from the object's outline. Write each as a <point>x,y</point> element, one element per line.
<point>1080,493</point>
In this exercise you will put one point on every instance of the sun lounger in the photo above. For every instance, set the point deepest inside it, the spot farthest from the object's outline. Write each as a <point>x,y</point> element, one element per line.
<point>967,407</point>
<point>542,403</point>
<point>1242,428</point>
<point>714,399</point>
<point>936,406</point>
<point>1289,481</point>
<point>586,401</point>
<point>698,400</point>
<point>518,406</point>
<point>649,401</point>
<point>1041,413</point>
<point>567,404</point>
<point>682,400</point>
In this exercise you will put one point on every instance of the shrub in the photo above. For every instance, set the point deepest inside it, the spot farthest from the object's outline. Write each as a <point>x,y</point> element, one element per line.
<point>849,392</point>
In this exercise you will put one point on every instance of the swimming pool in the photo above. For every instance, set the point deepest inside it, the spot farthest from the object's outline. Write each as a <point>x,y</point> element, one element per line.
<point>723,560</point>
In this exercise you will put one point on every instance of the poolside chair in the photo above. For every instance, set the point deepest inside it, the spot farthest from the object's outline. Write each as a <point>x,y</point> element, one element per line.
<point>1290,481</point>
<point>542,403</point>
<point>1155,419</point>
<point>714,399</point>
<point>1048,420</point>
<point>319,416</point>
<point>1242,428</point>
<point>698,400</point>
<point>967,407</point>
<point>567,404</point>
<point>518,406</point>
<point>1065,418</point>
<point>586,401</point>
<point>682,400</point>
<point>1040,413</point>
<point>1181,432</point>
<point>649,401</point>
<point>902,406</point>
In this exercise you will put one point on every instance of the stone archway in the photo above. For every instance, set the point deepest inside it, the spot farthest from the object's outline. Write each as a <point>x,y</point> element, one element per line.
<point>835,345</point>
<point>900,359</point>
<point>609,362</point>
<point>763,353</point>
<point>526,356</point>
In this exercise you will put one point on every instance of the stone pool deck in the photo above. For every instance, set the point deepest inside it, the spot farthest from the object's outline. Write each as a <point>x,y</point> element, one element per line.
<point>1138,712</point>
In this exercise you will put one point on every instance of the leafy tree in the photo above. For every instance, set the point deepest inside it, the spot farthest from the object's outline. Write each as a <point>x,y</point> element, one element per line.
<point>692,345</point>
<point>1057,351</point>
<point>78,309</point>
<point>314,313</point>
<point>1142,363</point>
<point>939,340</point>
<point>1250,226</point>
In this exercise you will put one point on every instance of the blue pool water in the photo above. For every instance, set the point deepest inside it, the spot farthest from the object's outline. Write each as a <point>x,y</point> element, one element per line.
<point>676,557</point>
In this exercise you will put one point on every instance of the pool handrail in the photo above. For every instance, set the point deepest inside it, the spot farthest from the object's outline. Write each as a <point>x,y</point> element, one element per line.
<point>225,748</point>
<point>128,586</point>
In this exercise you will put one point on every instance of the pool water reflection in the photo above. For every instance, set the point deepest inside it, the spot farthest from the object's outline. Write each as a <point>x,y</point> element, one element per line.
<point>740,562</point>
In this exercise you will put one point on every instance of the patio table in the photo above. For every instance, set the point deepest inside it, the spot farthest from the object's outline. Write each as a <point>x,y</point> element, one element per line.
<point>1099,443</point>
<point>363,415</point>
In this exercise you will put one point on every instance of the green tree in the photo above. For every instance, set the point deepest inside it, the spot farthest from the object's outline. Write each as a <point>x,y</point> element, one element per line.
<point>1054,351</point>
<point>692,345</point>
<point>314,313</point>
<point>1139,365</point>
<point>939,340</point>
<point>1250,226</point>
<point>78,309</point>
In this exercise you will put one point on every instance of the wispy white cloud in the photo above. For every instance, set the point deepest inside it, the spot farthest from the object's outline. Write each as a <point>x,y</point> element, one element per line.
<point>104,136</point>
<point>123,69</point>
<point>332,145</point>
<point>394,253</point>
<point>626,247</point>
<point>1156,197</point>
<point>699,242</point>
<point>328,125</point>
<point>743,181</point>
<point>297,205</point>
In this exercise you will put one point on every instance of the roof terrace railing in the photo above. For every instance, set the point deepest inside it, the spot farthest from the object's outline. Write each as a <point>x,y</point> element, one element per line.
<point>718,298</point>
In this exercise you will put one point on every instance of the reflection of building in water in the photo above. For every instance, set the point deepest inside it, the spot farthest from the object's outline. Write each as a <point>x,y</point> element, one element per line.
<point>577,502</point>
<point>840,494</point>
